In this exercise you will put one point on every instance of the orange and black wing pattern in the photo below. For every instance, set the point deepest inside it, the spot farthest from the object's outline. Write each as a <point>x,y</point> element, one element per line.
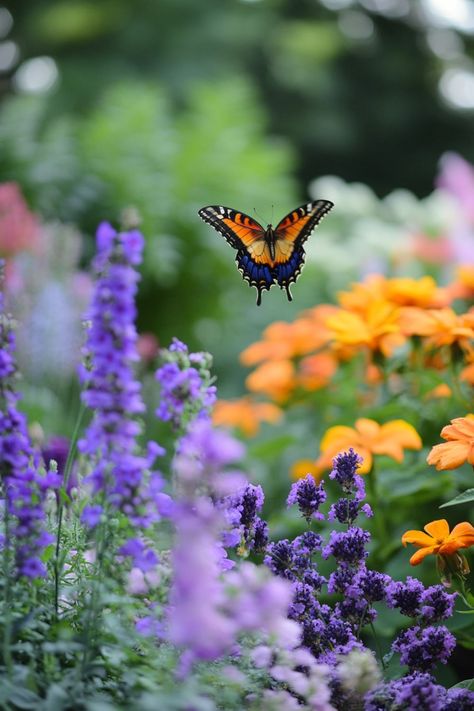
<point>290,235</point>
<point>247,236</point>
<point>271,256</point>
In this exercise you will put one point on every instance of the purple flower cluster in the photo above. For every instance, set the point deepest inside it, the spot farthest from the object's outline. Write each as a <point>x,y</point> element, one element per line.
<point>418,692</point>
<point>247,529</point>
<point>186,385</point>
<point>120,477</point>
<point>24,485</point>
<point>308,496</point>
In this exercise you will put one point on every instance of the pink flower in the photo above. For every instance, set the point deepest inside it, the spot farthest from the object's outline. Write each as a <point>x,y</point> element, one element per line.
<point>19,228</point>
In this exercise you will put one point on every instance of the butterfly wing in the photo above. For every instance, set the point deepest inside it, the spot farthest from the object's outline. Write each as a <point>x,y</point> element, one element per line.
<point>247,236</point>
<point>290,235</point>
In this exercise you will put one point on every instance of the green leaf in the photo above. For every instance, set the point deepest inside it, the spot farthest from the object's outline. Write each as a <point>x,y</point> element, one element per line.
<point>463,498</point>
<point>466,684</point>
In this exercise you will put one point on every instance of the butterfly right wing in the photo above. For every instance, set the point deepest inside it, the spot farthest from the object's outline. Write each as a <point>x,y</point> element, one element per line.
<point>247,236</point>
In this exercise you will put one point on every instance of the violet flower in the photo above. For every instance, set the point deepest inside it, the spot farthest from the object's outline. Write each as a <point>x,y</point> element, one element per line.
<point>25,489</point>
<point>121,477</point>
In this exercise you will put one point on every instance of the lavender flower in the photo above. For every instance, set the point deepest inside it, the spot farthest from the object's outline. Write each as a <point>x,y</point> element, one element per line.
<point>186,385</point>
<point>406,596</point>
<point>121,478</point>
<point>421,648</point>
<point>308,496</point>
<point>344,471</point>
<point>418,692</point>
<point>25,488</point>
<point>347,546</point>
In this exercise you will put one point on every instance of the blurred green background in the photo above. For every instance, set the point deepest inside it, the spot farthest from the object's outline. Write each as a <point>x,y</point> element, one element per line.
<point>168,105</point>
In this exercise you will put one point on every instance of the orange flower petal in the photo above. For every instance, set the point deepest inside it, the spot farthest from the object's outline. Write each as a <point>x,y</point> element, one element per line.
<point>420,554</point>
<point>448,455</point>
<point>418,538</point>
<point>439,529</point>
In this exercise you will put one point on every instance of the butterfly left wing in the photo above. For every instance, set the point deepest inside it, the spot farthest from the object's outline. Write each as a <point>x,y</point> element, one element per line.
<point>246,235</point>
<point>290,235</point>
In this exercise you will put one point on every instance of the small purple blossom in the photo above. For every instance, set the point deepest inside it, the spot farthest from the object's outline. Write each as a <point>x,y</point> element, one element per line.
<point>344,471</point>
<point>437,604</point>
<point>91,515</point>
<point>418,692</point>
<point>347,546</point>
<point>186,386</point>
<point>308,496</point>
<point>406,596</point>
<point>421,648</point>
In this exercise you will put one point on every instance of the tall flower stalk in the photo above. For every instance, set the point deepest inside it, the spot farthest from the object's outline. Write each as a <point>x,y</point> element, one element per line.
<point>23,486</point>
<point>121,479</point>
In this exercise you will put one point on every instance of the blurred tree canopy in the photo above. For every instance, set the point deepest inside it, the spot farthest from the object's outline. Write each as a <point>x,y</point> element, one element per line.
<point>165,106</point>
<point>353,88</point>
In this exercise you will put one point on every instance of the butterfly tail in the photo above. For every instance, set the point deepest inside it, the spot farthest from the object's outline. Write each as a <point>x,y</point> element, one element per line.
<point>258,275</point>
<point>287,273</point>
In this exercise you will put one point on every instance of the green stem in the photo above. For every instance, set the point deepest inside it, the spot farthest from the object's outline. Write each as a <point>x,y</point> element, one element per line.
<point>92,613</point>
<point>379,518</point>
<point>377,646</point>
<point>67,473</point>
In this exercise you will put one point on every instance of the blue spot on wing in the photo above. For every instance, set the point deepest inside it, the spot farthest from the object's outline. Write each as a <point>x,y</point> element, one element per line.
<point>258,275</point>
<point>288,272</point>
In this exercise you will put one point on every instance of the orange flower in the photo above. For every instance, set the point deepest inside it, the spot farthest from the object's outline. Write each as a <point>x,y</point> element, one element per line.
<point>315,371</point>
<point>245,414</point>
<point>441,327</point>
<point>362,294</point>
<point>416,292</point>
<point>276,378</point>
<point>368,438</point>
<point>439,541</point>
<point>377,328</point>
<point>460,445</point>
<point>285,340</point>
<point>440,391</point>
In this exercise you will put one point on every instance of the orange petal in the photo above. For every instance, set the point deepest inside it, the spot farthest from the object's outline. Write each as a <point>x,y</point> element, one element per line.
<point>367,428</point>
<point>421,554</point>
<point>418,538</point>
<point>448,455</point>
<point>338,436</point>
<point>439,529</point>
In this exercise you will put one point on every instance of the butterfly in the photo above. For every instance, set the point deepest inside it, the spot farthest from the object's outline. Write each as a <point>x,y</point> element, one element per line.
<point>274,255</point>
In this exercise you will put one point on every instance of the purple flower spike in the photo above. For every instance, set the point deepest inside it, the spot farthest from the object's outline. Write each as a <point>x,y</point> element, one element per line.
<point>308,496</point>
<point>25,488</point>
<point>111,389</point>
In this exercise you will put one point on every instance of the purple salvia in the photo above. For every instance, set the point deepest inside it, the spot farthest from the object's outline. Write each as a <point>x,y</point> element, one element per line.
<point>120,475</point>
<point>24,487</point>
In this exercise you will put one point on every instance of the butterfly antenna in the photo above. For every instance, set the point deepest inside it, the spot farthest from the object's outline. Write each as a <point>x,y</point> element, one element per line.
<point>259,216</point>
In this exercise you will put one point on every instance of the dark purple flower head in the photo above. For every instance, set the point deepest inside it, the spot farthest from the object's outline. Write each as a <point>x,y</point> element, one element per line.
<point>260,535</point>
<point>418,692</point>
<point>279,558</point>
<point>459,700</point>
<point>406,596</point>
<point>437,604</point>
<point>308,496</point>
<point>344,471</point>
<point>422,648</point>
<point>348,546</point>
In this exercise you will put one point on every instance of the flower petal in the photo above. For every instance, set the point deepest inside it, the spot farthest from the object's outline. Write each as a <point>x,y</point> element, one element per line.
<point>418,538</point>
<point>448,455</point>
<point>439,529</point>
<point>421,554</point>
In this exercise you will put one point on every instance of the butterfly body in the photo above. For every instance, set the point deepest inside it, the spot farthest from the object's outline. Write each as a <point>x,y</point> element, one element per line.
<point>271,255</point>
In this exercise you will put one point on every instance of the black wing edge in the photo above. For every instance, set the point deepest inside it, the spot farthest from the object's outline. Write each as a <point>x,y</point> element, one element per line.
<point>213,214</point>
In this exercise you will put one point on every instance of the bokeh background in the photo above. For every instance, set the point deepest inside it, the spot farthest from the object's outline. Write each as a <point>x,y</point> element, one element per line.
<point>113,109</point>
